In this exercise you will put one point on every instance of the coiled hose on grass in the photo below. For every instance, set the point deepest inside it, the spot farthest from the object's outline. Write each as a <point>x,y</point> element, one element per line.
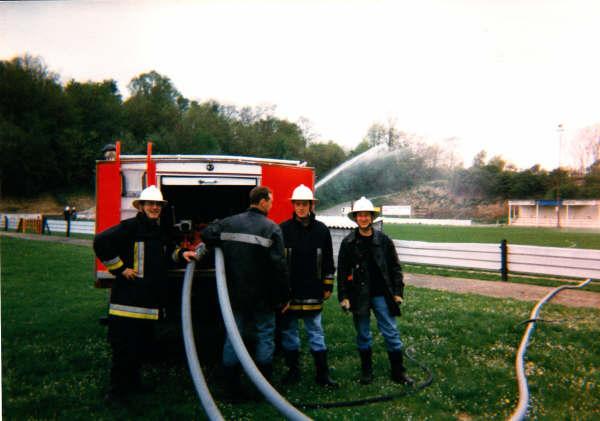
<point>521,409</point>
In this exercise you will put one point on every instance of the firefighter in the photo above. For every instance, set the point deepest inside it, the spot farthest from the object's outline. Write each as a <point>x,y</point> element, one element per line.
<point>257,280</point>
<point>109,152</point>
<point>135,252</point>
<point>310,259</point>
<point>370,278</point>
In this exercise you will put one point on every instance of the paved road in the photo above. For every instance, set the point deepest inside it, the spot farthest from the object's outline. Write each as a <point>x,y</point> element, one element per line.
<point>523,292</point>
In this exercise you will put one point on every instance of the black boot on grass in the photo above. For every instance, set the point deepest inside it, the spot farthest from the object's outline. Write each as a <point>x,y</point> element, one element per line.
<point>398,372</point>
<point>292,360</point>
<point>366,366</point>
<point>323,377</point>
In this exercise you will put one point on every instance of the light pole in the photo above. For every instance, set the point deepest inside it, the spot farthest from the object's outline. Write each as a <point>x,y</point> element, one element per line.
<point>560,129</point>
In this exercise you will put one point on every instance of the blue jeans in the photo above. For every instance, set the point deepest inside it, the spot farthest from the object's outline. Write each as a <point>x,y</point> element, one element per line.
<point>264,326</point>
<point>290,337</point>
<point>385,322</point>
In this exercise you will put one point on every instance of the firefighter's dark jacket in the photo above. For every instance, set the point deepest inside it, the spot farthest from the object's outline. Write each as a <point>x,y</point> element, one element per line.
<point>255,266</point>
<point>353,275</point>
<point>137,243</point>
<point>309,256</point>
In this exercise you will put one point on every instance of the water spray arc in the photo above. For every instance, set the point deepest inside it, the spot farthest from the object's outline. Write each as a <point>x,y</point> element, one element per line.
<point>346,164</point>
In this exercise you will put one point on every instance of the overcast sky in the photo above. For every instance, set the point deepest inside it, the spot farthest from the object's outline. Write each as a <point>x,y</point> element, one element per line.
<point>499,75</point>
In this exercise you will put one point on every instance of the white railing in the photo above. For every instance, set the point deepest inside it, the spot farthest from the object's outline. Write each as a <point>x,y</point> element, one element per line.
<point>466,255</point>
<point>578,263</point>
<point>77,227</point>
<point>555,261</point>
<point>11,222</point>
<point>514,258</point>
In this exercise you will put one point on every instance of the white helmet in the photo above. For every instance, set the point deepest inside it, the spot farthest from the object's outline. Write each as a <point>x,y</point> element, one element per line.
<point>150,193</point>
<point>303,193</point>
<point>363,205</point>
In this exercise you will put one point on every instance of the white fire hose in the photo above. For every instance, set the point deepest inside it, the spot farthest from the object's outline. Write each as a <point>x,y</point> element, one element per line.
<point>206,399</point>
<point>278,401</point>
<point>211,409</point>
<point>521,410</point>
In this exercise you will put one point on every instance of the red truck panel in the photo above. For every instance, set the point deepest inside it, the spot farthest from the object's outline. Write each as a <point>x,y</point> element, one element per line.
<point>282,180</point>
<point>108,197</point>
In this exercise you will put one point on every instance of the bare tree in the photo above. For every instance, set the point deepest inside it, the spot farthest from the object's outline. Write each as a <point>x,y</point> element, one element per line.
<point>585,146</point>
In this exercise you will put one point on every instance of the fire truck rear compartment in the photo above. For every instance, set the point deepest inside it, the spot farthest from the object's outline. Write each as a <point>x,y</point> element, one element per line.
<point>200,205</point>
<point>203,204</point>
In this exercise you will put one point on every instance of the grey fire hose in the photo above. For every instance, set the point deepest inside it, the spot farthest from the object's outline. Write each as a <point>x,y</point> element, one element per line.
<point>521,409</point>
<point>278,401</point>
<point>211,409</point>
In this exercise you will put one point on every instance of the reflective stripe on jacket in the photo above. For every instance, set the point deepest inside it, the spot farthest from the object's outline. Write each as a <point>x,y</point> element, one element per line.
<point>309,253</point>
<point>140,244</point>
<point>257,276</point>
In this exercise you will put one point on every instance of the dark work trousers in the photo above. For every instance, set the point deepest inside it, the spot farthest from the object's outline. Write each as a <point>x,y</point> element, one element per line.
<point>131,341</point>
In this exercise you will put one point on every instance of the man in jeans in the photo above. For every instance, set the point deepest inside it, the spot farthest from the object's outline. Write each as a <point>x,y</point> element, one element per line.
<point>309,254</point>
<point>257,280</point>
<point>370,278</point>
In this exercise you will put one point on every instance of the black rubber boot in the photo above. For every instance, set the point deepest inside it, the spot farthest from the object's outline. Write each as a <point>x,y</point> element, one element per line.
<point>398,372</point>
<point>292,360</point>
<point>266,370</point>
<point>233,383</point>
<point>366,366</point>
<point>322,377</point>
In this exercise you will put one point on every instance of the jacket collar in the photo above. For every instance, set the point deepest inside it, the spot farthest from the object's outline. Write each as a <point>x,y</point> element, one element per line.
<point>377,236</point>
<point>311,219</point>
<point>256,210</point>
<point>143,218</point>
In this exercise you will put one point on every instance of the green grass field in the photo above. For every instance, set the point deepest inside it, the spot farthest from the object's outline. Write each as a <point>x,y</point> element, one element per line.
<point>549,237</point>
<point>55,358</point>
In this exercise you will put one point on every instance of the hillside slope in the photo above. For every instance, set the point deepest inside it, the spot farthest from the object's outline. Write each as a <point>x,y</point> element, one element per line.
<point>434,200</point>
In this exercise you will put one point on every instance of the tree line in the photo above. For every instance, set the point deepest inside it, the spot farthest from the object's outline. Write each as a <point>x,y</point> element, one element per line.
<point>404,161</point>
<point>51,134</point>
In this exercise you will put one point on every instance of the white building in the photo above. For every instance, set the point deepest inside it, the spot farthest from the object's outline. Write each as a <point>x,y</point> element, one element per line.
<point>546,213</point>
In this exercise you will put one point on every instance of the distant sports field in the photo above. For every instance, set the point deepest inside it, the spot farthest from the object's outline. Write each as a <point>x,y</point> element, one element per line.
<point>55,359</point>
<point>546,237</point>
<point>551,237</point>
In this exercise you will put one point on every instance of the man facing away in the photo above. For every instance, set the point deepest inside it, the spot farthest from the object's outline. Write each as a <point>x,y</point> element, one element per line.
<point>370,278</point>
<point>309,254</point>
<point>257,280</point>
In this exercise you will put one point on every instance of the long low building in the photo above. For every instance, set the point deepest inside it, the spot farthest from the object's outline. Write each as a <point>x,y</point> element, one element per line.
<point>552,213</point>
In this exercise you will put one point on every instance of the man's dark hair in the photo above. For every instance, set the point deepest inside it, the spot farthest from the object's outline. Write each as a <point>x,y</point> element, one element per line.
<point>258,193</point>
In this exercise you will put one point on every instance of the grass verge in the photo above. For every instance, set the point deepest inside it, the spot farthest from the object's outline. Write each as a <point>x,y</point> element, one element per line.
<point>548,237</point>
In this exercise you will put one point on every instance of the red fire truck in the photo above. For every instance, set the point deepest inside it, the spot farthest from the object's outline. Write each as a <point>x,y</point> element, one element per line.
<point>199,189</point>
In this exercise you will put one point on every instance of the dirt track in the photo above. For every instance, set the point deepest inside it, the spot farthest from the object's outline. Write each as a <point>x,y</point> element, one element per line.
<point>523,292</point>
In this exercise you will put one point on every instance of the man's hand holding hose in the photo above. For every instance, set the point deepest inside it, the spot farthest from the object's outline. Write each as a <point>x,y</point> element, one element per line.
<point>345,304</point>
